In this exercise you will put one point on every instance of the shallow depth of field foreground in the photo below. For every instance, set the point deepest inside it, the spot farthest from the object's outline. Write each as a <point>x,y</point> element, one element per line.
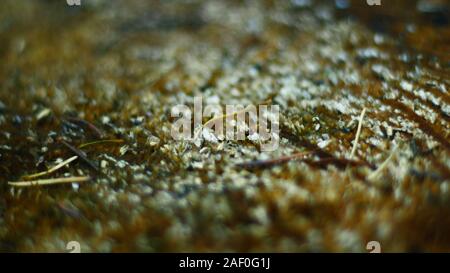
<point>86,152</point>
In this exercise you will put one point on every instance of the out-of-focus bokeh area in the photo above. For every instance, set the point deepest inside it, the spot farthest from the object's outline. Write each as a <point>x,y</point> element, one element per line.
<point>99,80</point>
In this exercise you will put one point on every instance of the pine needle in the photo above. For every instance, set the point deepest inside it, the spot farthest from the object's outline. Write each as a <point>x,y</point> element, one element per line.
<point>101,142</point>
<point>51,170</point>
<point>383,166</point>
<point>358,133</point>
<point>52,181</point>
<point>224,116</point>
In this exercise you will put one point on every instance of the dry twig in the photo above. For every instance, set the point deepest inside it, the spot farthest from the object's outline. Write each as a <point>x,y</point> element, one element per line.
<point>81,154</point>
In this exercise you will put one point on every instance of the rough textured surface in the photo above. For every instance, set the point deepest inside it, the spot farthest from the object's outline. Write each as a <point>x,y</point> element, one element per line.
<point>122,65</point>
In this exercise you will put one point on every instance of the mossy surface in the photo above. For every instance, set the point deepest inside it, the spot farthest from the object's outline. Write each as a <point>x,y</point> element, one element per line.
<point>113,70</point>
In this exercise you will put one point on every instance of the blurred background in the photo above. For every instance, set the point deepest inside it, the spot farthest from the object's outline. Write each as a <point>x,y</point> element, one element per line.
<point>118,66</point>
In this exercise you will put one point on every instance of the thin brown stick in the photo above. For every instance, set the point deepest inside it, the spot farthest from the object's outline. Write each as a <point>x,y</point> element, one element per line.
<point>86,124</point>
<point>341,163</point>
<point>81,154</point>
